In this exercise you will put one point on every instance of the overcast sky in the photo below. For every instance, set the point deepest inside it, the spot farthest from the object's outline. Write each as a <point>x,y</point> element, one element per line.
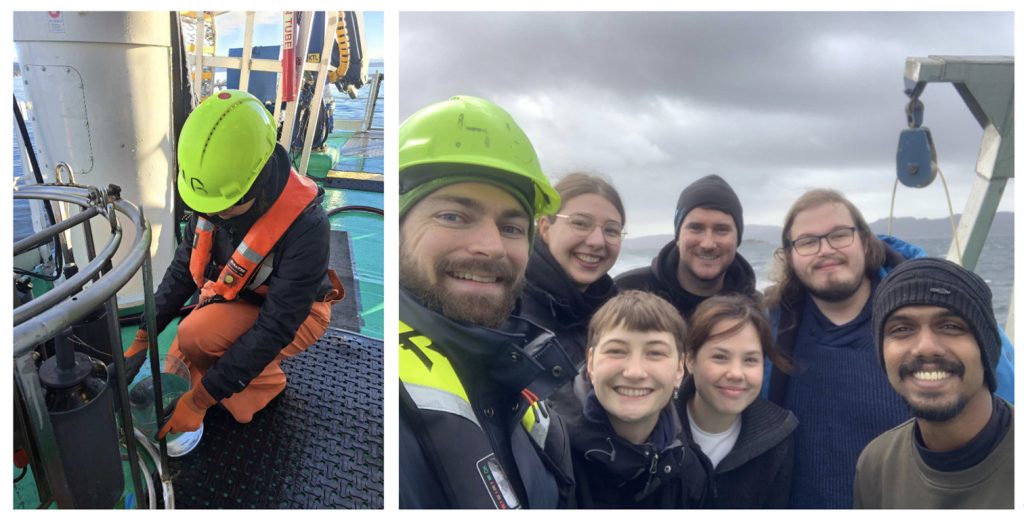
<point>776,103</point>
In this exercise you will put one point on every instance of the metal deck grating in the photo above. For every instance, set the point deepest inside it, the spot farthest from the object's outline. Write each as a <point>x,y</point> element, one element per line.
<point>318,445</point>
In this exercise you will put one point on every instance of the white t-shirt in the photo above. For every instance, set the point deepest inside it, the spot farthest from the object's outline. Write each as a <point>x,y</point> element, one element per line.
<point>716,445</point>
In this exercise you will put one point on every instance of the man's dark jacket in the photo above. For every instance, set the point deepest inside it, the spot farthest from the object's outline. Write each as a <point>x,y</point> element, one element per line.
<point>661,278</point>
<point>493,366</point>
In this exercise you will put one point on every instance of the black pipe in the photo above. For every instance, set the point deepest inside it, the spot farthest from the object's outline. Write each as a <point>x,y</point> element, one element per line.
<point>86,440</point>
<point>181,106</point>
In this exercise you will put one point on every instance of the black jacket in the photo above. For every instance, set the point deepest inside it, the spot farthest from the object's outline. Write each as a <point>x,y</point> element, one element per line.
<point>613,473</point>
<point>553,301</point>
<point>493,366</point>
<point>756,474</point>
<point>661,278</point>
<point>299,278</point>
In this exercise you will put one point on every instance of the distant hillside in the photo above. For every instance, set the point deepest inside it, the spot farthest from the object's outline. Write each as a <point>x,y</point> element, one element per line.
<point>769,234</point>
<point>1002,225</point>
<point>646,242</point>
<point>907,227</point>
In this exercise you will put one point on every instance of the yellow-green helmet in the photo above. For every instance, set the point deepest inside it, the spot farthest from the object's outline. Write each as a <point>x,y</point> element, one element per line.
<point>224,145</point>
<point>469,139</point>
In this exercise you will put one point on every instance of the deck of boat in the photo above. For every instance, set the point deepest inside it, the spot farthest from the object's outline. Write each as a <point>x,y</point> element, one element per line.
<point>320,444</point>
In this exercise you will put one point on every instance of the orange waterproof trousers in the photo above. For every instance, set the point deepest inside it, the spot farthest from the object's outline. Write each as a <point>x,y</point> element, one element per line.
<point>208,332</point>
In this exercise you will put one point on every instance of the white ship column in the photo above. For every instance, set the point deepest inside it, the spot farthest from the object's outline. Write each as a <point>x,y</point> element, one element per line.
<point>100,89</point>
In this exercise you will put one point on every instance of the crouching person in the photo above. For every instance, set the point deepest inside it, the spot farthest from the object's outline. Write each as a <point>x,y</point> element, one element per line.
<point>628,447</point>
<point>939,344</point>
<point>256,248</point>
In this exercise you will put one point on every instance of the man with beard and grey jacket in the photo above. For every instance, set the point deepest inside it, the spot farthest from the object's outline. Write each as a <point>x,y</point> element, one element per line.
<point>702,260</point>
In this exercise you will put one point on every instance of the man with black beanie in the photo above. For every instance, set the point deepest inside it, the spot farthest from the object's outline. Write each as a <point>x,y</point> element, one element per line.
<point>702,260</point>
<point>939,345</point>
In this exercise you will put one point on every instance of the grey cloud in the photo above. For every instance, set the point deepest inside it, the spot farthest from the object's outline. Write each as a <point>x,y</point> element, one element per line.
<point>775,102</point>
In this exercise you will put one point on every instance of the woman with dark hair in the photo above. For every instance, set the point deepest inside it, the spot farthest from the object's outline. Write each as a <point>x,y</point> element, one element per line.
<point>746,439</point>
<point>567,274</point>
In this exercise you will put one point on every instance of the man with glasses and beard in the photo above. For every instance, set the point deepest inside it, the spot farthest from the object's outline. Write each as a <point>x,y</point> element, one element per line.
<point>939,343</point>
<point>472,430</point>
<point>830,263</point>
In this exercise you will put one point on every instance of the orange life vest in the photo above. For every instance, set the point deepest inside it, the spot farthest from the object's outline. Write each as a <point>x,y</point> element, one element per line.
<point>261,238</point>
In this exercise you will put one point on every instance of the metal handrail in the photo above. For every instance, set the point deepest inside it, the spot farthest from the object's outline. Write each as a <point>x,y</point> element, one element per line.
<point>48,315</point>
<point>45,235</point>
<point>25,337</point>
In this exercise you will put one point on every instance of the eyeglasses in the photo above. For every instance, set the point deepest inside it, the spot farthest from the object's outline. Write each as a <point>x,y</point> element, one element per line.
<point>837,238</point>
<point>584,224</point>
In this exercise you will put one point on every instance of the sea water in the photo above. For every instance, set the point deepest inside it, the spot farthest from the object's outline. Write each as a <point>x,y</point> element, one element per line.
<point>144,415</point>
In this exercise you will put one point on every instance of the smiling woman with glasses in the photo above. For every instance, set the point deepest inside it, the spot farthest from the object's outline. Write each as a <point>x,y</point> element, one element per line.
<point>567,274</point>
<point>583,224</point>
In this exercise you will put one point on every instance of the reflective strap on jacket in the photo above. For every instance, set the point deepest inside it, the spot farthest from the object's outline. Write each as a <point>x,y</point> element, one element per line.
<point>298,193</point>
<point>537,422</point>
<point>427,398</point>
<point>433,384</point>
<point>429,376</point>
<point>262,272</point>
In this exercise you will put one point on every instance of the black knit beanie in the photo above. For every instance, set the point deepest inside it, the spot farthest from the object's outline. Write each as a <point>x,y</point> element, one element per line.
<point>939,282</point>
<point>710,192</point>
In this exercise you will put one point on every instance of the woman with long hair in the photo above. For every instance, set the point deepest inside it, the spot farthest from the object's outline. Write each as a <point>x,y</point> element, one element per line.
<point>567,274</point>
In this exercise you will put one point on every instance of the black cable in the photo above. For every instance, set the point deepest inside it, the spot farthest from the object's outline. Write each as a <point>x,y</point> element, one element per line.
<point>92,351</point>
<point>33,274</point>
<point>369,209</point>
<point>34,163</point>
<point>24,471</point>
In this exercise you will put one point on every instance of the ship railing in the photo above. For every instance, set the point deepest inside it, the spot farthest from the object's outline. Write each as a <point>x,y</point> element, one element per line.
<point>95,285</point>
<point>246,64</point>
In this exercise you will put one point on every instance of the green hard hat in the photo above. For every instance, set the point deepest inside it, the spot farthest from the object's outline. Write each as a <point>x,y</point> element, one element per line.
<point>469,139</point>
<point>224,144</point>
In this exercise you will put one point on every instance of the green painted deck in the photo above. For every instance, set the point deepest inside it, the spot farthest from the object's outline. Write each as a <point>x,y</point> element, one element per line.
<point>366,239</point>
